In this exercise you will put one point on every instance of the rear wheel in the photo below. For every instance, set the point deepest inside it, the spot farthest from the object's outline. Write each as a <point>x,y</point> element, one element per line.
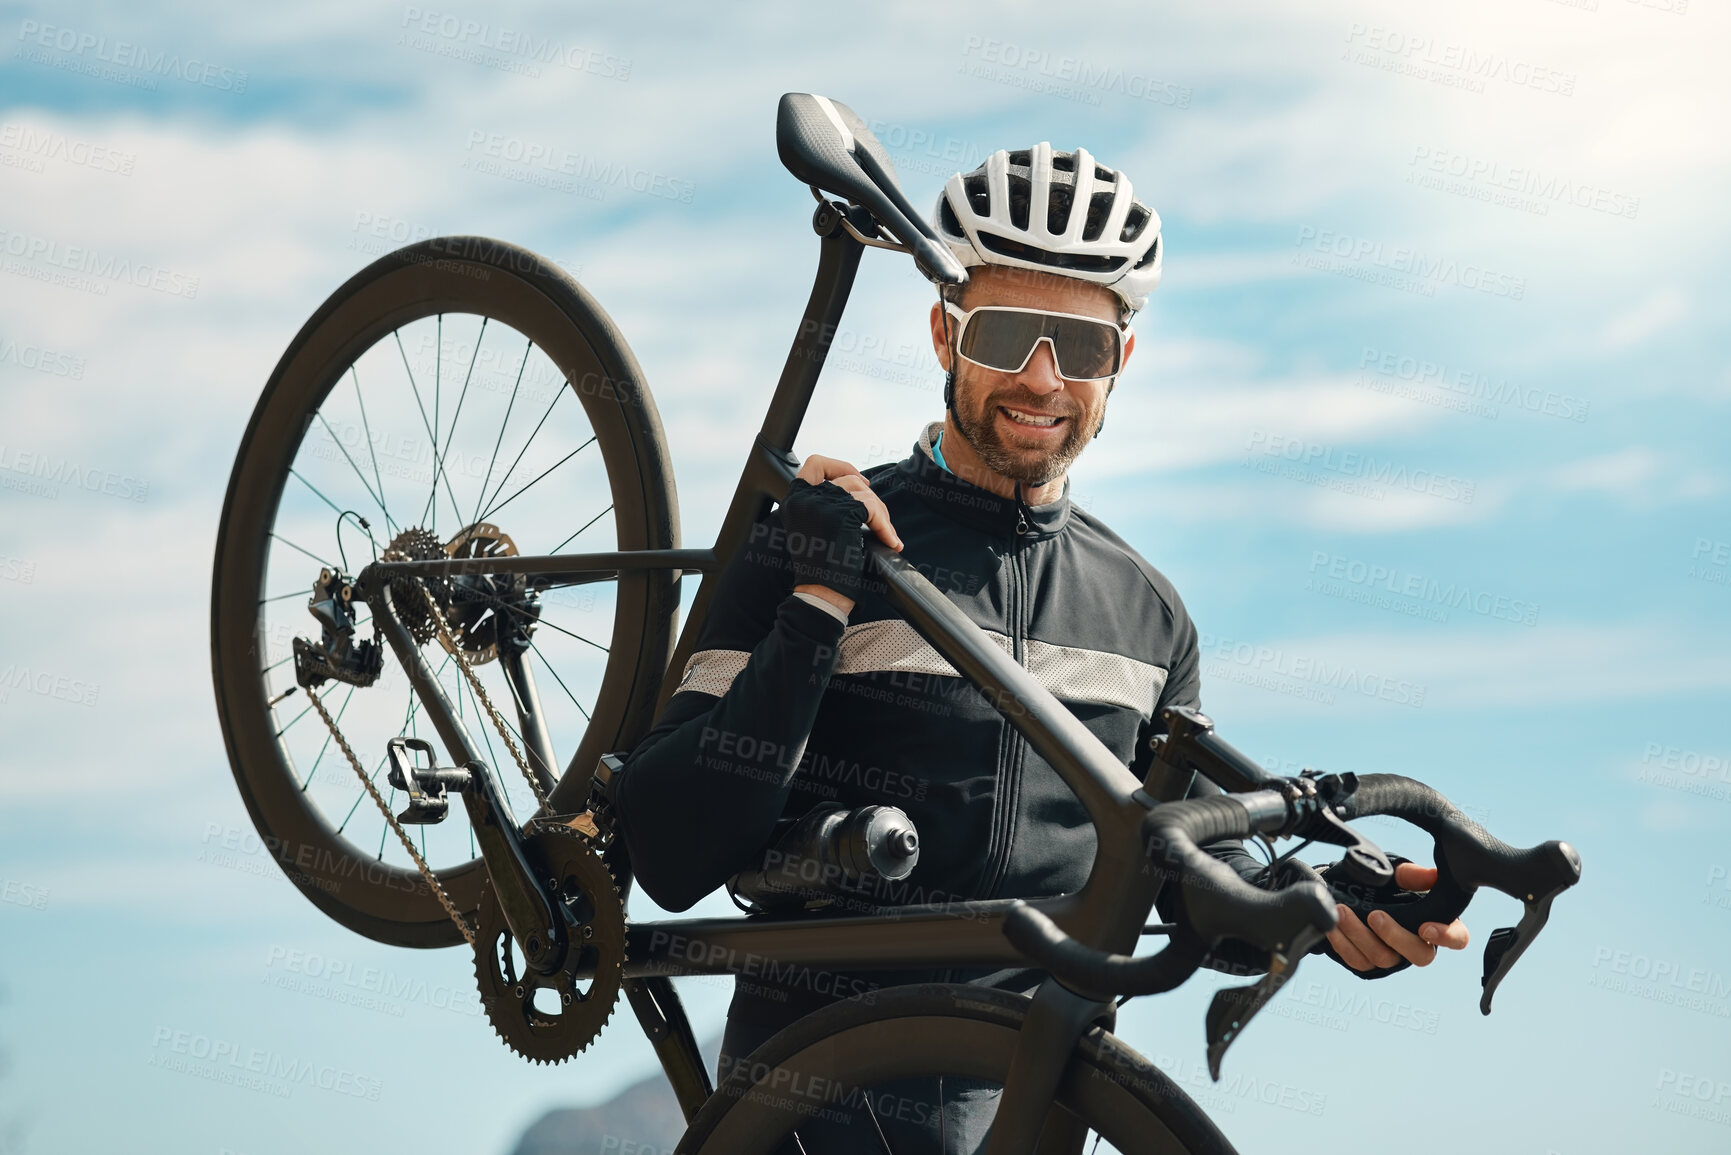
<point>847,1079</point>
<point>461,397</point>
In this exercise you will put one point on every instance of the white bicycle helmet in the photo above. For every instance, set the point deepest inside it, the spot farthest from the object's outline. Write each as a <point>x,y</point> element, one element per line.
<point>1016,209</point>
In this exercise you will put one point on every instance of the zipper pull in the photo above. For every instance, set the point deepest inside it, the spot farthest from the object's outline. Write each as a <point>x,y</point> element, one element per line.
<point>1021,512</point>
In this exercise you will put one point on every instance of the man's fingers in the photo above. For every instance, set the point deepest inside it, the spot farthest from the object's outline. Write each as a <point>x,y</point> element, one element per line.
<point>1454,936</point>
<point>1348,953</point>
<point>1414,949</point>
<point>1369,945</point>
<point>877,513</point>
<point>1412,876</point>
<point>817,469</point>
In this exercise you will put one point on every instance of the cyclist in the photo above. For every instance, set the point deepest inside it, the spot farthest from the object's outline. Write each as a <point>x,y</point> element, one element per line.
<point>806,687</point>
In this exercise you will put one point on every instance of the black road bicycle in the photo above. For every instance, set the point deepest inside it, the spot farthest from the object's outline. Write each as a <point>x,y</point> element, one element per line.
<point>459,456</point>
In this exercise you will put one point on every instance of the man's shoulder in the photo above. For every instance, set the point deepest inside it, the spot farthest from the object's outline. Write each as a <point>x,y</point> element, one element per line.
<point>1107,541</point>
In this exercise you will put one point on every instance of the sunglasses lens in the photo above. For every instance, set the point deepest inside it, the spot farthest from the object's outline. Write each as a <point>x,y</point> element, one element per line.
<point>1086,349</point>
<point>1002,339</point>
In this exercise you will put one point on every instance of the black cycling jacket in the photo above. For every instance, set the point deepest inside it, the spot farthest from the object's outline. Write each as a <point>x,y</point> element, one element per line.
<point>781,707</point>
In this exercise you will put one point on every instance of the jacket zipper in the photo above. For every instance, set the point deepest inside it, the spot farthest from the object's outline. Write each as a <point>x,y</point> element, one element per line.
<point>1010,750</point>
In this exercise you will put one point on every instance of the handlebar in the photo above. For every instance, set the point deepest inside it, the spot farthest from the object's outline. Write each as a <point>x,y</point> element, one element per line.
<point>1218,903</point>
<point>1290,922</point>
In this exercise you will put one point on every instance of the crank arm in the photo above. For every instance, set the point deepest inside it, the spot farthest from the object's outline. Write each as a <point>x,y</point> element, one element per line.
<point>1233,1007</point>
<point>535,922</point>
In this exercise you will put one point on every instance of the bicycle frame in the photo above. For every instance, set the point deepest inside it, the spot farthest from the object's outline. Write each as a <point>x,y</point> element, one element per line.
<point>1108,912</point>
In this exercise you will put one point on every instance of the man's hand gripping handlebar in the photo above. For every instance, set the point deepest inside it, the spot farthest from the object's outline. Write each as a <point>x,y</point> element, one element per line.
<point>1288,923</point>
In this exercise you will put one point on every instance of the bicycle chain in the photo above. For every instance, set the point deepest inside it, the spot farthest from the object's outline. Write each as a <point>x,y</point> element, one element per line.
<point>379,800</point>
<point>480,692</point>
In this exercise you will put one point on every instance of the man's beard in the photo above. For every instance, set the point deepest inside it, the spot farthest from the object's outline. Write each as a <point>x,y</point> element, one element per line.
<point>978,423</point>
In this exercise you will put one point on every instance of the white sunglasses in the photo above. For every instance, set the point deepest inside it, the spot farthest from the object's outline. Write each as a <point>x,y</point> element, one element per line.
<point>1003,338</point>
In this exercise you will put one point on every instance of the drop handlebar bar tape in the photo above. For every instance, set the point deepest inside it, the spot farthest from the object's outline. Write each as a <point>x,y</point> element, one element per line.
<point>1218,903</point>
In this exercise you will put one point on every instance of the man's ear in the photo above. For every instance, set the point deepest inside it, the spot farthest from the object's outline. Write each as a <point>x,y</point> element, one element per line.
<point>940,345</point>
<point>1129,346</point>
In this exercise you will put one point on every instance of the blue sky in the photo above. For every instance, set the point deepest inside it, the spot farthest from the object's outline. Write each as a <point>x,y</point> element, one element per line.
<point>1444,310</point>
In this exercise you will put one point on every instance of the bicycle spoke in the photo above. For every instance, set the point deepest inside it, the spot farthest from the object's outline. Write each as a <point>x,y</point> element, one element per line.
<point>438,468</point>
<point>280,597</point>
<point>561,629</point>
<point>495,509</point>
<point>537,652</point>
<point>532,435</point>
<point>308,552</point>
<point>586,525</point>
<point>500,440</point>
<point>361,797</point>
<point>295,473</point>
<point>367,430</point>
<point>378,498</point>
<point>304,712</point>
<point>456,415</point>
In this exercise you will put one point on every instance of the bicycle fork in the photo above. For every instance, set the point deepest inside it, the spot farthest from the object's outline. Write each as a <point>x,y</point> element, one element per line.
<point>1027,1122</point>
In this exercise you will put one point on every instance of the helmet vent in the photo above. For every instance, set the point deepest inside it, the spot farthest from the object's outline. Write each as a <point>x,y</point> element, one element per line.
<point>1134,223</point>
<point>1148,257</point>
<point>1021,157</point>
<point>1063,162</point>
<point>947,219</point>
<point>1080,262</point>
<point>1020,192</point>
<point>1058,200</point>
<point>974,184</point>
<point>1099,208</point>
<point>1104,175</point>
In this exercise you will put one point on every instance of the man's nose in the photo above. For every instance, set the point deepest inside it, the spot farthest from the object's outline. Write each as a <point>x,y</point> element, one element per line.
<point>1040,374</point>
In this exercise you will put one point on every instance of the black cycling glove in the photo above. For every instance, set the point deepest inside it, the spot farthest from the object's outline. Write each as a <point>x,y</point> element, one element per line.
<point>825,526</point>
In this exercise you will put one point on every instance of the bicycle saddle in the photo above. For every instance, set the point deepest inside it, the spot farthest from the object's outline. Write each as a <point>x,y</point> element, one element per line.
<point>825,144</point>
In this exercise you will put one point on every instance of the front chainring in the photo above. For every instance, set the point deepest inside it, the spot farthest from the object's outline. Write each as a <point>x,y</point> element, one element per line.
<point>597,948</point>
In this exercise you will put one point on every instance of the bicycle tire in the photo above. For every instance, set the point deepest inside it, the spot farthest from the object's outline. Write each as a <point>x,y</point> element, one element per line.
<point>943,1029</point>
<point>534,298</point>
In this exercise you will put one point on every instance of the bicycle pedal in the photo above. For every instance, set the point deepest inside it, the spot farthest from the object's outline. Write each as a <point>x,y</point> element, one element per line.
<point>426,785</point>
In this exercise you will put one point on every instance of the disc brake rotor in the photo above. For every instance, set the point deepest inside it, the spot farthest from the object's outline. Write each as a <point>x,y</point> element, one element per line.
<point>550,1018</point>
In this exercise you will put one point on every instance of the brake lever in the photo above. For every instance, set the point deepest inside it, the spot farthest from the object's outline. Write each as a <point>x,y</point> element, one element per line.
<point>1232,1008</point>
<point>1508,943</point>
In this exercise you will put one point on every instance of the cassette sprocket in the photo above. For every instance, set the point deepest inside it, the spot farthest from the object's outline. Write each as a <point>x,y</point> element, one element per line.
<point>416,544</point>
<point>521,1004</point>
